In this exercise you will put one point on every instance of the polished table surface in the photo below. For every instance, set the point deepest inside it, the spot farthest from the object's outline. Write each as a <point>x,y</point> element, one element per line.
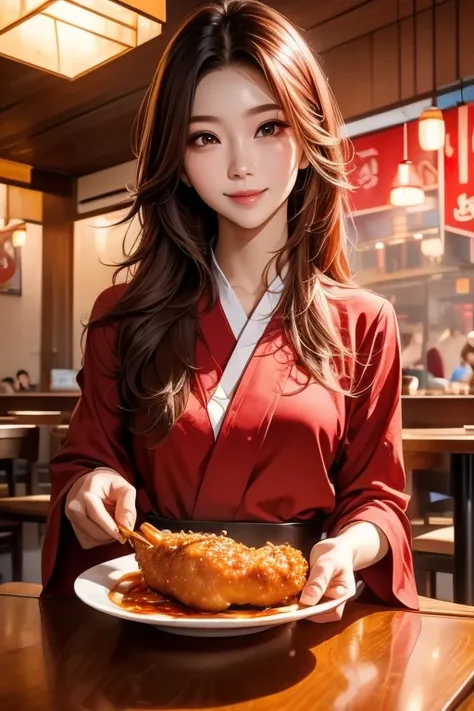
<point>58,655</point>
<point>449,440</point>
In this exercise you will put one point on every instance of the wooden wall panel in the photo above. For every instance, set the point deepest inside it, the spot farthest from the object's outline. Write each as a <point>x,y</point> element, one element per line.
<point>466,38</point>
<point>446,44</point>
<point>58,254</point>
<point>348,68</point>
<point>309,14</point>
<point>365,18</point>
<point>407,64</point>
<point>24,204</point>
<point>379,87</point>
<point>385,70</point>
<point>424,44</point>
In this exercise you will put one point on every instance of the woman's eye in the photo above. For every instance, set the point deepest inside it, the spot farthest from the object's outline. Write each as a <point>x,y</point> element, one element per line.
<point>271,128</point>
<point>203,139</point>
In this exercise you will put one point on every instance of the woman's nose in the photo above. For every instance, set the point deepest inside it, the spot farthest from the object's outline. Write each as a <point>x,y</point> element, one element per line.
<point>241,163</point>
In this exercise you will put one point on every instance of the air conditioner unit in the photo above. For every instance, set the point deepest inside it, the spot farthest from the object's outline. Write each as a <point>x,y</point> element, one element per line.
<point>105,190</point>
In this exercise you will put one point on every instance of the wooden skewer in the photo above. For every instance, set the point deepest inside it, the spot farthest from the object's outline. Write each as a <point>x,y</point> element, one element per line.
<point>128,534</point>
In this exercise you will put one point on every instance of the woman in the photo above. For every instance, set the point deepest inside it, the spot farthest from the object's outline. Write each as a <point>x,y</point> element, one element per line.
<point>239,376</point>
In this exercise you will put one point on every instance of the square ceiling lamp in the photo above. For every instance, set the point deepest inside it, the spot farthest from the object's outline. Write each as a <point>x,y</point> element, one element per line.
<point>71,37</point>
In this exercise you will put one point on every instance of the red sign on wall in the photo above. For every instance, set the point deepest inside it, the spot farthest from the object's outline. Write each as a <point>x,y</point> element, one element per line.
<point>459,170</point>
<point>10,266</point>
<point>375,164</point>
<point>7,259</point>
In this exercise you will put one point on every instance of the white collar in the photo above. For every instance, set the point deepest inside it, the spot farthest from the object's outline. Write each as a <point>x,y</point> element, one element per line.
<point>233,309</point>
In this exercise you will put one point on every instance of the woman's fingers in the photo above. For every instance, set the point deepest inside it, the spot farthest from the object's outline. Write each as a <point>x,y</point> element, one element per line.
<point>125,508</point>
<point>317,583</point>
<point>95,510</point>
<point>90,535</point>
<point>96,503</point>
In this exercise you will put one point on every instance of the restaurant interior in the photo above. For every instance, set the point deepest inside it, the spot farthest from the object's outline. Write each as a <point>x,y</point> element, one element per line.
<point>402,72</point>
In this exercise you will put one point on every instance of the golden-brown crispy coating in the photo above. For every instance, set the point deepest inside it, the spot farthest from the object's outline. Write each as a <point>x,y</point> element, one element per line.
<point>211,573</point>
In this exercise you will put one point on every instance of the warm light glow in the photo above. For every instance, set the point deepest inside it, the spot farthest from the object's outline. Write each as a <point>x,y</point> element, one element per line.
<point>431,129</point>
<point>19,238</point>
<point>407,187</point>
<point>101,236</point>
<point>418,235</point>
<point>69,38</point>
<point>33,413</point>
<point>432,247</point>
<point>405,196</point>
<point>403,173</point>
<point>3,204</point>
<point>379,245</point>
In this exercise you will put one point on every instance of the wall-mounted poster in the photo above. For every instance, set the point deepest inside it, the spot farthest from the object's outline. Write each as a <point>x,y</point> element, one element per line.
<point>459,170</point>
<point>10,266</point>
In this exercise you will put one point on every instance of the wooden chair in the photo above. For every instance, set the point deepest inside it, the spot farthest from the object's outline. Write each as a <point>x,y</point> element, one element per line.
<point>428,472</point>
<point>428,606</point>
<point>19,442</point>
<point>14,511</point>
<point>21,589</point>
<point>433,551</point>
<point>11,542</point>
<point>16,442</point>
<point>26,509</point>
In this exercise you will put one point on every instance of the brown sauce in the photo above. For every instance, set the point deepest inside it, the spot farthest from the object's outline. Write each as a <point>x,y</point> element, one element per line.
<point>132,594</point>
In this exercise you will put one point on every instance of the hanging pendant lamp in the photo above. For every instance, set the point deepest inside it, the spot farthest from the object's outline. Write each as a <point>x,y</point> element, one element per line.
<point>407,189</point>
<point>431,128</point>
<point>71,37</point>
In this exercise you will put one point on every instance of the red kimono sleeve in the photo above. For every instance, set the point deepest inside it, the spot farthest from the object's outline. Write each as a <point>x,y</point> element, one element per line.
<point>95,438</point>
<point>370,477</point>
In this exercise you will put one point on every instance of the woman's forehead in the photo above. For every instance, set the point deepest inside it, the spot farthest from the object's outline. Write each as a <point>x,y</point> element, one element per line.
<point>225,90</point>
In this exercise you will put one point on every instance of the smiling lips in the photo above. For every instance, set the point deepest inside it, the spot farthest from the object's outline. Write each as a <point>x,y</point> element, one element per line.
<point>246,197</point>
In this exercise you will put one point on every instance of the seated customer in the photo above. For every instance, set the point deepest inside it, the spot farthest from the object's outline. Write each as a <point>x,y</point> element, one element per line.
<point>7,386</point>
<point>23,381</point>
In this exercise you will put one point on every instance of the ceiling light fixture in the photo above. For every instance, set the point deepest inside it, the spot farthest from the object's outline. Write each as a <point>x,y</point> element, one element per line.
<point>407,187</point>
<point>19,237</point>
<point>431,128</point>
<point>71,37</point>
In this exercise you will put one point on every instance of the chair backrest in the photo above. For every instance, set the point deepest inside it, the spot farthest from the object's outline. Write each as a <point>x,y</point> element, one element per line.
<point>19,442</point>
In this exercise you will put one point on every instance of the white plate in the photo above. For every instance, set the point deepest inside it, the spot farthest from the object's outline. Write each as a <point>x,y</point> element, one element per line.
<point>93,586</point>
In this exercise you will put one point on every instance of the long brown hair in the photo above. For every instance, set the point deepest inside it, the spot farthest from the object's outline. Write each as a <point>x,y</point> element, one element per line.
<point>157,314</point>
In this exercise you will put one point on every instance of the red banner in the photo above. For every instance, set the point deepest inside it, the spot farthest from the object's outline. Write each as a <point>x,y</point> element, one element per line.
<point>8,263</point>
<point>459,170</point>
<point>376,159</point>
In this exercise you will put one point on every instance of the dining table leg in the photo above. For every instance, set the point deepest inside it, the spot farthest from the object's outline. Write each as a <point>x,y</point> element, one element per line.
<point>462,472</point>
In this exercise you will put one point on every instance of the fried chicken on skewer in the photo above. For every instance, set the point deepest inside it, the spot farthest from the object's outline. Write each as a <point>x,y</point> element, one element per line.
<point>211,573</point>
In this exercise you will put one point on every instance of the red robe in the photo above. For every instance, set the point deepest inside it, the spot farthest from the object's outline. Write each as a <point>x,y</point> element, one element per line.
<point>287,450</point>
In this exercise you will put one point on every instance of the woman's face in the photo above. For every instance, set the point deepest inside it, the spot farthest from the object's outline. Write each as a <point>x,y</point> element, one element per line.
<point>239,141</point>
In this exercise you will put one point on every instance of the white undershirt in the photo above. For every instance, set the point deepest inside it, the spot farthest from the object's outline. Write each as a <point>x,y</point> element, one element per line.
<point>247,331</point>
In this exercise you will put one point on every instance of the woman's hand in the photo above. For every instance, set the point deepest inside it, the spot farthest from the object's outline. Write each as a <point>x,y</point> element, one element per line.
<point>331,575</point>
<point>96,503</point>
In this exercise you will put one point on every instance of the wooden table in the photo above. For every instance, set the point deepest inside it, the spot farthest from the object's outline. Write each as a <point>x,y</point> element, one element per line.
<point>441,410</point>
<point>459,444</point>
<point>58,655</point>
<point>46,401</point>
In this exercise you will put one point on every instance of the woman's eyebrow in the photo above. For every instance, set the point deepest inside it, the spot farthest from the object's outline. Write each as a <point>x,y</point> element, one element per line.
<point>251,112</point>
